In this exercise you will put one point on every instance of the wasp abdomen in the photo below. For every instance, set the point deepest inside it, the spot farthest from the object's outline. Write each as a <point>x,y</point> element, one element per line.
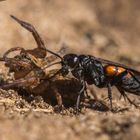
<point>131,85</point>
<point>113,70</point>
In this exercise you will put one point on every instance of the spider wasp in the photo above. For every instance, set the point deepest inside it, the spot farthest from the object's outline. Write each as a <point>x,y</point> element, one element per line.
<point>102,73</point>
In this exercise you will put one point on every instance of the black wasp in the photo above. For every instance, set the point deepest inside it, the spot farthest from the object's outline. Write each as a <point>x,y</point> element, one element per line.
<point>100,72</point>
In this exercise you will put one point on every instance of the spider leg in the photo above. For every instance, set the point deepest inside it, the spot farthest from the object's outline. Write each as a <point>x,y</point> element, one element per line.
<point>58,98</point>
<point>31,29</point>
<point>12,50</point>
<point>41,50</point>
<point>19,83</point>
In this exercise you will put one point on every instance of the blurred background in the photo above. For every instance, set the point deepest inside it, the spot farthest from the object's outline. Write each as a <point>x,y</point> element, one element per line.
<point>108,29</point>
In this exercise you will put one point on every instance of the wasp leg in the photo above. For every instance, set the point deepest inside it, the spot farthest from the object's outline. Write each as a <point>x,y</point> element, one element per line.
<point>86,92</point>
<point>125,96</point>
<point>79,95</point>
<point>109,95</point>
<point>134,77</point>
<point>117,80</point>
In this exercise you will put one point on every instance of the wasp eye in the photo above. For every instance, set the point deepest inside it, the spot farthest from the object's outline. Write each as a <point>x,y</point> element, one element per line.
<point>75,60</point>
<point>71,60</point>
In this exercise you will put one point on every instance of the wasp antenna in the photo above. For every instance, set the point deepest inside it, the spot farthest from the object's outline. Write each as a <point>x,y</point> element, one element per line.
<point>54,54</point>
<point>47,66</point>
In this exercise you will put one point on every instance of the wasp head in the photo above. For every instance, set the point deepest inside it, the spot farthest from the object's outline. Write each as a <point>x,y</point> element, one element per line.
<point>69,62</point>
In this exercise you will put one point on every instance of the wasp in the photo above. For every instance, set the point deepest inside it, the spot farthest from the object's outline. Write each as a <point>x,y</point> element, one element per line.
<point>101,73</point>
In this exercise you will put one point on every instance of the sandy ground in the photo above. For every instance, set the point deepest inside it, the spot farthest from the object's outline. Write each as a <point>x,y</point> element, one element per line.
<point>107,29</point>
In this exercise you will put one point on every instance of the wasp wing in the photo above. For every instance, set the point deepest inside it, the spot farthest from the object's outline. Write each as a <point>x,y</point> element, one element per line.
<point>117,64</point>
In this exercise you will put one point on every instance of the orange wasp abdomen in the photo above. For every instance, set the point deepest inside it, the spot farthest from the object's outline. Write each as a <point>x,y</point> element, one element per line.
<point>114,70</point>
